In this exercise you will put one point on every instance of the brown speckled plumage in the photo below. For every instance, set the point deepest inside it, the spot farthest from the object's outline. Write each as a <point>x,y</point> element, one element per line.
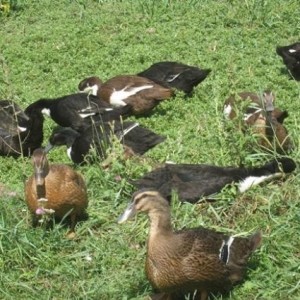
<point>267,123</point>
<point>142,101</point>
<point>184,261</point>
<point>63,187</point>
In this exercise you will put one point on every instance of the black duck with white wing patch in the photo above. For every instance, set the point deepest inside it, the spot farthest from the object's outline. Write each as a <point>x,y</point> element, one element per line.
<point>79,110</point>
<point>175,75</point>
<point>192,181</point>
<point>291,58</point>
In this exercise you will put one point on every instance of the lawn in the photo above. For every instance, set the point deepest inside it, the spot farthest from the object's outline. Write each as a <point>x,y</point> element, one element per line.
<point>48,47</point>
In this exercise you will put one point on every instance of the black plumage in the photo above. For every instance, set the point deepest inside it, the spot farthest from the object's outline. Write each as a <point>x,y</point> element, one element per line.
<point>291,58</point>
<point>192,181</point>
<point>23,142</point>
<point>79,110</point>
<point>99,137</point>
<point>175,75</point>
<point>12,117</point>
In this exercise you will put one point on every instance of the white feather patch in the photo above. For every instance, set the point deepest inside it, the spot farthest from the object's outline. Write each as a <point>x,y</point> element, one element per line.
<point>253,180</point>
<point>46,111</point>
<point>22,129</point>
<point>292,50</point>
<point>247,116</point>
<point>227,253</point>
<point>227,110</point>
<point>117,97</point>
<point>82,115</point>
<point>91,89</point>
<point>69,150</point>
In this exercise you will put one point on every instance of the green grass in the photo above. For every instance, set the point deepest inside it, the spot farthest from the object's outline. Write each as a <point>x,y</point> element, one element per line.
<point>47,47</point>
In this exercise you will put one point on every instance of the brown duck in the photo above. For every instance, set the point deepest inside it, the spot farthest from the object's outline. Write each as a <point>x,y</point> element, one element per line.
<point>264,119</point>
<point>256,105</point>
<point>141,93</point>
<point>188,260</point>
<point>55,189</point>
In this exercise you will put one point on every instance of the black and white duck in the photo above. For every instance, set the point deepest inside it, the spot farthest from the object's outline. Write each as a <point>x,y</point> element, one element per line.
<point>175,75</point>
<point>135,139</point>
<point>193,181</point>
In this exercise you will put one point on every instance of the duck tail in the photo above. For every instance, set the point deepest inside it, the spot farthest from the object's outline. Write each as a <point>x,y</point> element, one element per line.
<point>255,240</point>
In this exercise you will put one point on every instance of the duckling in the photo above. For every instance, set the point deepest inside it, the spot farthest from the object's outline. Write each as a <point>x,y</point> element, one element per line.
<point>79,110</point>
<point>193,181</point>
<point>142,93</point>
<point>264,120</point>
<point>22,139</point>
<point>12,118</point>
<point>175,75</point>
<point>55,189</point>
<point>189,260</point>
<point>291,58</point>
<point>135,139</point>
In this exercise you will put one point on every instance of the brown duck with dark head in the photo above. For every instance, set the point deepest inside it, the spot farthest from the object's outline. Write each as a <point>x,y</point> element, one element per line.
<point>55,189</point>
<point>264,119</point>
<point>141,93</point>
<point>188,260</point>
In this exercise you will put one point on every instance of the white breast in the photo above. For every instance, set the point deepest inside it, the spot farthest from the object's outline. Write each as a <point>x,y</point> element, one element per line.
<point>117,97</point>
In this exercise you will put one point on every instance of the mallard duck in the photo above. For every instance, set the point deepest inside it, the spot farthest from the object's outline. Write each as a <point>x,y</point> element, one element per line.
<point>175,75</point>
<point>188,260</point>
<point>256,105</point>
<point>79,110</point>
<point>22,136</point>
<point>136,139</point>
<point>264,119</point>
<point>192,181</point>
<point>55,189</point>
<point>291,58</point>
<point>142,93</point>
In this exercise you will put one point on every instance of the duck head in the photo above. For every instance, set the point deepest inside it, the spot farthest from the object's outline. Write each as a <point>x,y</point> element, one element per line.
<point>41,165</point>
<point>144,200</point>
<point>269,99</point>
<point>90,85</point>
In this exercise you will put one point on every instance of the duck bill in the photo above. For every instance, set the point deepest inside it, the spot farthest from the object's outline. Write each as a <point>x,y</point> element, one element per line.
<point>48,147</point>
<point>269,105</point>
<point>129,212</point>
<point>39,176</point>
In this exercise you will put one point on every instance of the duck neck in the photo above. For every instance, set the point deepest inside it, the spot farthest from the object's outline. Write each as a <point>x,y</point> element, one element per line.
<point>160,222</point>
<point>269,124</point>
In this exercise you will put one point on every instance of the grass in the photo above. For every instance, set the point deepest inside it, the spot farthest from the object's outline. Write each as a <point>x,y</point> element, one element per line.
<point>47,47</point>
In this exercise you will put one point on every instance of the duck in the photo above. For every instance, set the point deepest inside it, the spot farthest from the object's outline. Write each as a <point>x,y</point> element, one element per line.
<point>190,260</point>
<point>176,75</point>
<point>256,104</point>
<point>22,136</point>
<point>291,58</point>
<point>12,118</point>
<point>136,140</point>
<point>55,189</point>
<point>193,181</point>
<point>79,110</point>
<point>142,93</point>
<point>263,118</point>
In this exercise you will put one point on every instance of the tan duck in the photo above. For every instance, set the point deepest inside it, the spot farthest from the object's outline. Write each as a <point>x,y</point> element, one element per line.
<point>264,119</point>
<point>188,260</point>
<point>141,93</point>
<point>55,189</point>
